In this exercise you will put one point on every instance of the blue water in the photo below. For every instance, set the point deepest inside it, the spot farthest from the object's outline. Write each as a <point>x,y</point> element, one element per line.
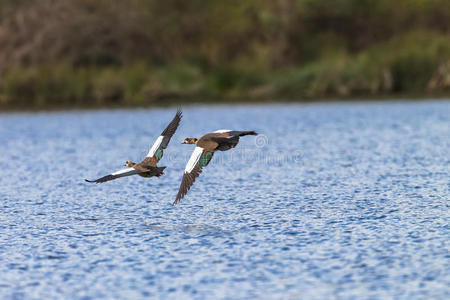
<point>330,201</point>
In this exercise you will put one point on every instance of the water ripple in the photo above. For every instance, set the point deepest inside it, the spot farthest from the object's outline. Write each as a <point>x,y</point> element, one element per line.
<point>333,201</point>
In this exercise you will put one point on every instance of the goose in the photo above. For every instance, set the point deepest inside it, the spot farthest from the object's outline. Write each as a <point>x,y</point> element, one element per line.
<point>205,147</point>
<point>147,168</point>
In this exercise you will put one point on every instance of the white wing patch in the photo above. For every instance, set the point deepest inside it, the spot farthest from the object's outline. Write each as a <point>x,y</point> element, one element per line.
<point>155,146</point>
<point>123,171</point>
<point>222,131</point>
<point>195,157</point>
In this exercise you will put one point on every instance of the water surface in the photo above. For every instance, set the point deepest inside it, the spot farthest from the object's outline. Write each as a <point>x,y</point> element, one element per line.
<point>330,201</point>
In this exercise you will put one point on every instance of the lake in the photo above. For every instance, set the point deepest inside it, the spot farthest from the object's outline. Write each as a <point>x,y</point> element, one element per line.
<point>339,200</point>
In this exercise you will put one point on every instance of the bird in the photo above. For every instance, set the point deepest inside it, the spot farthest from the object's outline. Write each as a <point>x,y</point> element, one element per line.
<point>147,167</point>
<point>205,147</point>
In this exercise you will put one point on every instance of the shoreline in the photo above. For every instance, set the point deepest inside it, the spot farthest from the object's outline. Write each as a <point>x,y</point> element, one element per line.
<point>227,102</point>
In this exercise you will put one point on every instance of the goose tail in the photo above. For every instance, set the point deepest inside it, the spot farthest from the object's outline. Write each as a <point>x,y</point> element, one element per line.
<point>159,171</point>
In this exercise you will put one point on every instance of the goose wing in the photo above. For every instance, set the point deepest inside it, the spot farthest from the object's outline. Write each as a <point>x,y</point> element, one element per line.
<point>199,159</point>
<point>156,151</point>
<point>231,133</point>
<point>117,174</point>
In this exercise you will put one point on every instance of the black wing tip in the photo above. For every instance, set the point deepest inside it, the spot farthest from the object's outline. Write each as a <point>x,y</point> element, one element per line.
<point>251,132</point>
<point>173,125</point>
<point>179,114</point>
<point>93,181</point>
<point>102,179</point>
<point>243,133</point>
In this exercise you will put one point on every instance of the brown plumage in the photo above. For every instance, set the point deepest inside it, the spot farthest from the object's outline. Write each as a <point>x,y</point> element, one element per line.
<point>145,170</point>
<point>221,140</point>
<point>148,166</point>
<point>186,182</point>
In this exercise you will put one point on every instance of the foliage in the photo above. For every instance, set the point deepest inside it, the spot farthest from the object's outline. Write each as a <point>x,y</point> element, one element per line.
<point>98,52</point>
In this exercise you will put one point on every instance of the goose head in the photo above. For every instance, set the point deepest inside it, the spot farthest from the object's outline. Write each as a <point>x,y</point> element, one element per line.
<point>190,140</point>
<point>129,163</point>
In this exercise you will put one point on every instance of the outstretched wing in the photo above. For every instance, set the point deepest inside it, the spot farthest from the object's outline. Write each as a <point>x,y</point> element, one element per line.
<point>156,151</point>
<point>118,174</point>
<point>198,160</point>
<point>228,132</point>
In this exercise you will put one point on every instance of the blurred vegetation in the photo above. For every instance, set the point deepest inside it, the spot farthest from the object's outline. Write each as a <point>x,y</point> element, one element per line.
<point>63,53</point>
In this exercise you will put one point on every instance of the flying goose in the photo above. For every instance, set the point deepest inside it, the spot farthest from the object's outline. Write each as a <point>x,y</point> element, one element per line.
<point>147,168</point>
<point>205,147</point>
